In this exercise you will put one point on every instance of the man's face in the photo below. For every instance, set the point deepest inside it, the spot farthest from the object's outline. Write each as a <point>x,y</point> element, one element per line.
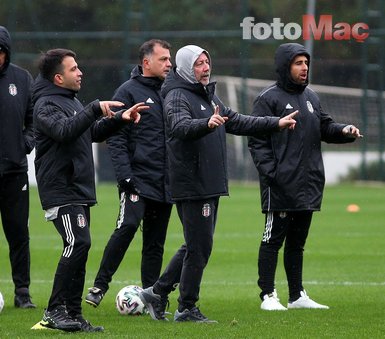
<point>298,69</point>
<point>158,64</point>
<point>202,69</point>
<point>71,76</point>
<point>3,56</point>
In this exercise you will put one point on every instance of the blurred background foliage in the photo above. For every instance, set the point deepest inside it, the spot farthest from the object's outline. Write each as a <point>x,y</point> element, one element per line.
<point>106,36</point>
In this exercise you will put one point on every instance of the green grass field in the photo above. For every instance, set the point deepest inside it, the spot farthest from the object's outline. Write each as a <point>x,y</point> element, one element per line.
<point>344,268</point>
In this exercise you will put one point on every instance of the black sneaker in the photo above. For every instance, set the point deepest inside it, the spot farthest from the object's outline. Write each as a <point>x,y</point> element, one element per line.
<point>86,325</point>
<point>24,301</point>
<point>155,303</point>
<point>59,319</point>
<point>194,315</point>
<point>94,296</point>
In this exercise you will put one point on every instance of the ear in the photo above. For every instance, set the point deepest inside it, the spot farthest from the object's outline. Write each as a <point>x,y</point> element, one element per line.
<point>146,63</point>
<point>58,79</point>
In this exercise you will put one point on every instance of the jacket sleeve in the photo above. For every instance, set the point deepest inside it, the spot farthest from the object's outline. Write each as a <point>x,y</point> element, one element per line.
<point>28,131</point>
<point>54,122</point>
<point>240,124</point>
<point>181,124</point>
<point>331,132</point>
<point>260,146</point>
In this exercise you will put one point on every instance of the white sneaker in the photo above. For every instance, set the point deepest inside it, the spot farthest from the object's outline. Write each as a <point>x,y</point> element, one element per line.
<point>305,302</point>
<point>271,303</point>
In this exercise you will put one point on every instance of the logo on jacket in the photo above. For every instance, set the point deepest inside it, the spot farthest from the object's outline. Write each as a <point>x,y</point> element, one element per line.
<point>206,210</point>
<point>81,221</point>
<point>134,197</point>
<point>12,89</point>
<point>288,106</point>
<point>309,106</point>
<point>149,101</point>
<point>203,108</point>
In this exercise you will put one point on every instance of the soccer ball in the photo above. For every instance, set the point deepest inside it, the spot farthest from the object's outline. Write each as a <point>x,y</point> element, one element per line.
<point>1,302</point>
<point>128,301</point>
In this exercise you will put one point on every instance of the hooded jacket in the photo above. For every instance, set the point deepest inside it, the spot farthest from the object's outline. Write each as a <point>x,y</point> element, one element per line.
<point>65,131</point>
<point>290,165</point>
<point>16,113</point>
<point>138,151</point>
<point>197,154</point>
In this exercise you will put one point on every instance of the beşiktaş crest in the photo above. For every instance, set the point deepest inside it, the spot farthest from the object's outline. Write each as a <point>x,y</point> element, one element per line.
<point>206,210</point>
<point>310,106</point>
<point>12,89</point>
<point>81,221</point>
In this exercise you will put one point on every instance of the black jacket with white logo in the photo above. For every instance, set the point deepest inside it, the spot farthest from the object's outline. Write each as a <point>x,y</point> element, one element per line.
<point>197,154</point>
<point>138,151</point>
<point>16,113</point>
<point>290,163</point>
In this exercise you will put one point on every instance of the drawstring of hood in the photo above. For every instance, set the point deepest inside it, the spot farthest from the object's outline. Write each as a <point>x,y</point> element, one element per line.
<point>185,59</point>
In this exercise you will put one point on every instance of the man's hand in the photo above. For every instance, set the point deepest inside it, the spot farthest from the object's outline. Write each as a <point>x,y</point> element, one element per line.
<point>352,131</point>
<point>216,119</point>
<point>132,114</point>
<point>105,106</point>
<point>128,185</point>
<point>288,121</point>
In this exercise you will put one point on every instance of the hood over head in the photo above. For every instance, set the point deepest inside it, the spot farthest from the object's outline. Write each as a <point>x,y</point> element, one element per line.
<point>185,59</point>
<point>284,56</point>
<point>5,45</point>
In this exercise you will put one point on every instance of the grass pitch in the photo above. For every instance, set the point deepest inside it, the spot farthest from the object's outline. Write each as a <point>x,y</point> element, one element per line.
<point>343,268</point>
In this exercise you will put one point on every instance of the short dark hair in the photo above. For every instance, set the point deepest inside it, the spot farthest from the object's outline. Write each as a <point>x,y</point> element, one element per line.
<point>50,62</point>
<point>148,47</point>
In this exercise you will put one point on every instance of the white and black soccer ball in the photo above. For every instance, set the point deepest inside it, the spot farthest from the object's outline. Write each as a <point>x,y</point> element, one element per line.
<point>128,301</point>
<point>1,302</point>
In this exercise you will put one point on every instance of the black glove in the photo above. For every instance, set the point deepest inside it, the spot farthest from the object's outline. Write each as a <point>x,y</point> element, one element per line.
<point>128,185</point>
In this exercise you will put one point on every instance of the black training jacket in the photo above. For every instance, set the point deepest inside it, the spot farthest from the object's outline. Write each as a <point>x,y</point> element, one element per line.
<point>16,113</point>
<point>138,151</point>
<point>289,163</point>
<point>197,154</point>
<point>65,131</point>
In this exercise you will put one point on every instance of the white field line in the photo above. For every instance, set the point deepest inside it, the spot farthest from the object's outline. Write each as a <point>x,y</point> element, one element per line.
<point>230,283</point>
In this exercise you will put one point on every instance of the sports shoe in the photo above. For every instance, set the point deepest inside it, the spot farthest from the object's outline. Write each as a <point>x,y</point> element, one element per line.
<point>271,302</point>
<point>194,315</point>
<point>155,303</point>
<point>85,325</point>
<point>305,302</point>
<point>59,319</point>
<point>94,296</point>
<point>24,301</point>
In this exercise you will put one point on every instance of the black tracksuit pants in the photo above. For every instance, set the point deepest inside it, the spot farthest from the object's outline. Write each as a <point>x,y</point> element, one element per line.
<point>155,216</point>
<point>198,218</point>
<point>73,224</point>
<point>293,228</point>
<point>14,207</point>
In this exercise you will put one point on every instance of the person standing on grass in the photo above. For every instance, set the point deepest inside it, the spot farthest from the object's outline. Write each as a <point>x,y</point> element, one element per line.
<point>17,140</point>
<point>196,127</point>
<point>65,175</point>
<point>291,173</point>
<point>138,154</point>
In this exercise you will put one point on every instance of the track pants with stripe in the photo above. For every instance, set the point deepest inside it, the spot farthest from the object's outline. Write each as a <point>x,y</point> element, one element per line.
<point>291,228</point>
<point>198,218</point>
<point>155,217</point>
<point>14,207</point>
<point>72,223</point>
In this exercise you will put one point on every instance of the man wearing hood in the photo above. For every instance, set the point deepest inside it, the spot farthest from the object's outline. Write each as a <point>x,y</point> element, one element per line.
<point>16,138</point>
<point>291,172</point>
<point>138,154</point>
<point>196,127</point>
<point>65,175</point>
